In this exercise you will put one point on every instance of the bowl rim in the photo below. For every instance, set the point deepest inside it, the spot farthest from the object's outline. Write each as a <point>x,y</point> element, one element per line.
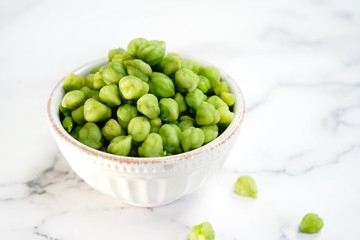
<point>56,126</point>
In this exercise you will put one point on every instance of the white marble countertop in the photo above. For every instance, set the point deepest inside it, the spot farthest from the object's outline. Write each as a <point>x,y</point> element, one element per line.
<point>298,63</point>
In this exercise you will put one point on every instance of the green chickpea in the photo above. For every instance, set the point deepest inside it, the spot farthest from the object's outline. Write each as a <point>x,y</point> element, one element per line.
<point>195,98</point>
<point>161,85</point>
<point>246,186</point>
<point>217,102</point>
<point>206,114</point>
<point>73,99</point>
<point>138,68</point>
<point>64,111</point>
<point>95,111</point>
<point>122,57</point>
<point>139,128</point>
<point>192,138</point>
<point>120,145</point>
<point>212,73</point>
<point>152,146</point>
<point>149,106</point>
<point>171,138</point>
<point>169,109</point>
<point>125,113</point>
<point>75,132</point>
<point>155,125</point>
<point>311,223</point>
<point>203,231</point>
<point>78,115</point>
<point>95,70</point>
<point>68,123</point>
<point>152,52</point>
<point>134,44</point>
<point>90,135</point>
<point>112,129</point>
<point>186,122</point>
<point>170,63</point>
<point>73,82</point>
<point>228,98</point>
<point>110,95</point>
<point>112,72</point>
<point>94,81</point>
<point>191,65</point>
<point>220,88</point>
<point>186,80</point>
<point>210,132</point>
<point>90,93</point>
<point>113,52</point>
<point>226,116</point>
<point>181,102</point>
<point>204,84</point>
<point>132,87</point>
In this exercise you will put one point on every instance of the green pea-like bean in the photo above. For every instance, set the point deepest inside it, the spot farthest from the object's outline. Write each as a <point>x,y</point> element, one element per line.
<point>112,72</point>
<point>191,65</point>
<point>210,132</point>
<point>181,102</point>
<point>73,99</point>
<point>132,87</point>
<point>68,123</point>
<point>73,82</point>
<point>120,145</point>
<point>311,223</point>
<point>112,129</point>
<point>226,116</point>
<point>216,101</point>
<point>228,98</point>
<point>90,135</point>
<point>90,93</point>
<point>110,95</point>
<point>204,84</point>
<point>186,80</point>
<point>202,231</point>
<point>125,113</point>
<point>161,85</point>
<point>78,115</point>
<point>155,125</point>
<point>75,132</point>
<point>171,138</point>
<point>192,138</point>
<point>64,111</point>
<point>212,73</point>
<point>186,122</point>
<point>134,45</point>
<point>206,114</point>
<point>138,68</point>
<point>169,109</point>
<point>94,81</point>
<point>152,52</point>
<point>139,128</point>
<point>195,98</point>
<point>170,63</point>
<point>95,111</point>
<point>148,105</point>
<point>221,88</point>
<point>152,146</point>
<point>113,52</point>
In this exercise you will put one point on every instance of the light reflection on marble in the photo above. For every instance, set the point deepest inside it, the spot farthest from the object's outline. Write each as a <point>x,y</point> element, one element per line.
<point>298,64</point>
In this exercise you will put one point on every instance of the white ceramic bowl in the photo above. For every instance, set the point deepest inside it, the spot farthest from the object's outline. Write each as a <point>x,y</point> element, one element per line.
<point>144,182</point>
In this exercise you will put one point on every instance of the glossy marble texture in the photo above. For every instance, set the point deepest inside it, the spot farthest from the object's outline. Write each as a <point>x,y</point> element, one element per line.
<point>298,64</point>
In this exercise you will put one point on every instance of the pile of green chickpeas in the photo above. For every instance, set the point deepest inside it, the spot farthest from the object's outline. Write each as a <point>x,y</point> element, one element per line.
<point>145,102</point>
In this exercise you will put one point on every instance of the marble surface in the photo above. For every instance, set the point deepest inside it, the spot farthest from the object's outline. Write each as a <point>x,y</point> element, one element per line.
<point>298,63</point>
